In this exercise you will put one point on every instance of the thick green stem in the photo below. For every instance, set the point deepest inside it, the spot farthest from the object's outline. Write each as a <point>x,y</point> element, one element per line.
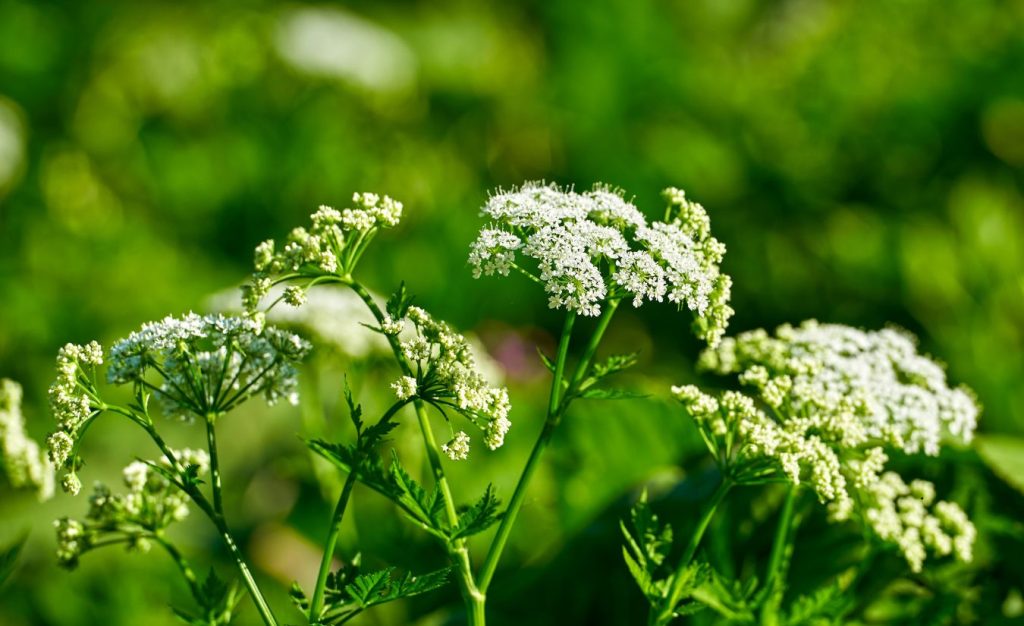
<point>516,503</point>
<point>317,603</point>
<point>662,615</point>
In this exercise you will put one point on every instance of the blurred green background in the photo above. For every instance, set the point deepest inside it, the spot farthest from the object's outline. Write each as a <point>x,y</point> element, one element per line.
<point>863,161</point>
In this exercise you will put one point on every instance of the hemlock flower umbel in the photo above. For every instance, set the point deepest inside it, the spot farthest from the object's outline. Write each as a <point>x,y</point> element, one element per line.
<point>197,366</point>
<point>135,518</point>
<point>22,462</point>
<point>209,364</point>
<point>586,248</point>
<point>446,374</point>
<point>331,246</point>
<point>898,396</point>
<point>832,397</point>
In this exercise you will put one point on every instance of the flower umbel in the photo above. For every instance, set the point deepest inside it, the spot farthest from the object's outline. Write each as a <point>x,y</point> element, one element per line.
<point>446,374</point>
<point>587,248</point>
<point>830,398</point>
<point>207,365</point>
<point>331,246</point>
<point>150,505</point>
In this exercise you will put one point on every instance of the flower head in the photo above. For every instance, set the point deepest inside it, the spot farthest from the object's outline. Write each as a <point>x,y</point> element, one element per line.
<point>446,374</point>
<point>331,246</point>
<point>74,404</point>
<point>207,365</point>
<point>825,399</point>
<point>150,504</point>
<point>872,384</point>
<point>587,248</point>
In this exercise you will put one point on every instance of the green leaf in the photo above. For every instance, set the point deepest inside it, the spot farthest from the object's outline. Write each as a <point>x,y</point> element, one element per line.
<point>423,507</point>
<point>730,599</point>
<point>830,603</point>
<point>648,543</point>
<point>348,458</point>
<point>398,304</point>
<point>546,361</point>
<point>1004,455</point>
<point>613,365</point>
<point>381,586</point>
<point>355,411</point>
<point>366,589</point>
<point>611,394</point>
<point>479,516</point>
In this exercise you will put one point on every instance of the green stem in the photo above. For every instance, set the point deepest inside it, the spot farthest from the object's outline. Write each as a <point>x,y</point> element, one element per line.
<point>664,615</point>
<point>509,518</point>
<point>250,583</point>
<point>583,368</point>
<point>472,594</point>
<point>781,542</point>
<point>211,441</point>
<point>317,604</point>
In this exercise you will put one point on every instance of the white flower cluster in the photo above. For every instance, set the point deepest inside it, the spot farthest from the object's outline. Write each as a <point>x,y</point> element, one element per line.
<point>871,381</point>
<point>832,397</point>
<point>847,477</point>
<point>332,245</point>
<point>908,516</point>
<point>209,364</point>
<point>446,373</point>
<point>593,246</point>
<point>73,403</point>
<point>21,461</point>
<point>151,504</point>
<point>458,448</point>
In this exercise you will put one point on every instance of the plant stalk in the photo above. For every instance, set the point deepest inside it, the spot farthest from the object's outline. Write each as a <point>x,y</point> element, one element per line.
<point>554,402</point>
<point>662,616</point>
<point>316,605</point>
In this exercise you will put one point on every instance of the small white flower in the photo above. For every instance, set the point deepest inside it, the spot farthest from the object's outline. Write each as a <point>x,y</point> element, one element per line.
<point>458,448</point>
<point>405,387</point>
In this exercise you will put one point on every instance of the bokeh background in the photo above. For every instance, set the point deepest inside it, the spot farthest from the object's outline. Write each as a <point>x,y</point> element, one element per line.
<point>863,161</point>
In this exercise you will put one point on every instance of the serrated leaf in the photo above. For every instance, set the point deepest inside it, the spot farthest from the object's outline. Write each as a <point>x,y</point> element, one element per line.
<point>829,602</point>
<point>213,590</point>
<point>381,586</point>
<point>594,393</point>
<point>348,459</point>
<point>479,516</point>
<point>367,588</point>
<point>355,411</point>
<point>298,597</point>
<point>375,434</point>
<point>398,304</point>
<point>424,507</point>
<point>726,597</point>
<point>1004,455</point>
<point>648,543</point>
<point>613,365</point>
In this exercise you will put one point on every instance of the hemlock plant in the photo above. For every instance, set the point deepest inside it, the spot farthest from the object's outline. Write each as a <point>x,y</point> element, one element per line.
<point>818,409</point>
